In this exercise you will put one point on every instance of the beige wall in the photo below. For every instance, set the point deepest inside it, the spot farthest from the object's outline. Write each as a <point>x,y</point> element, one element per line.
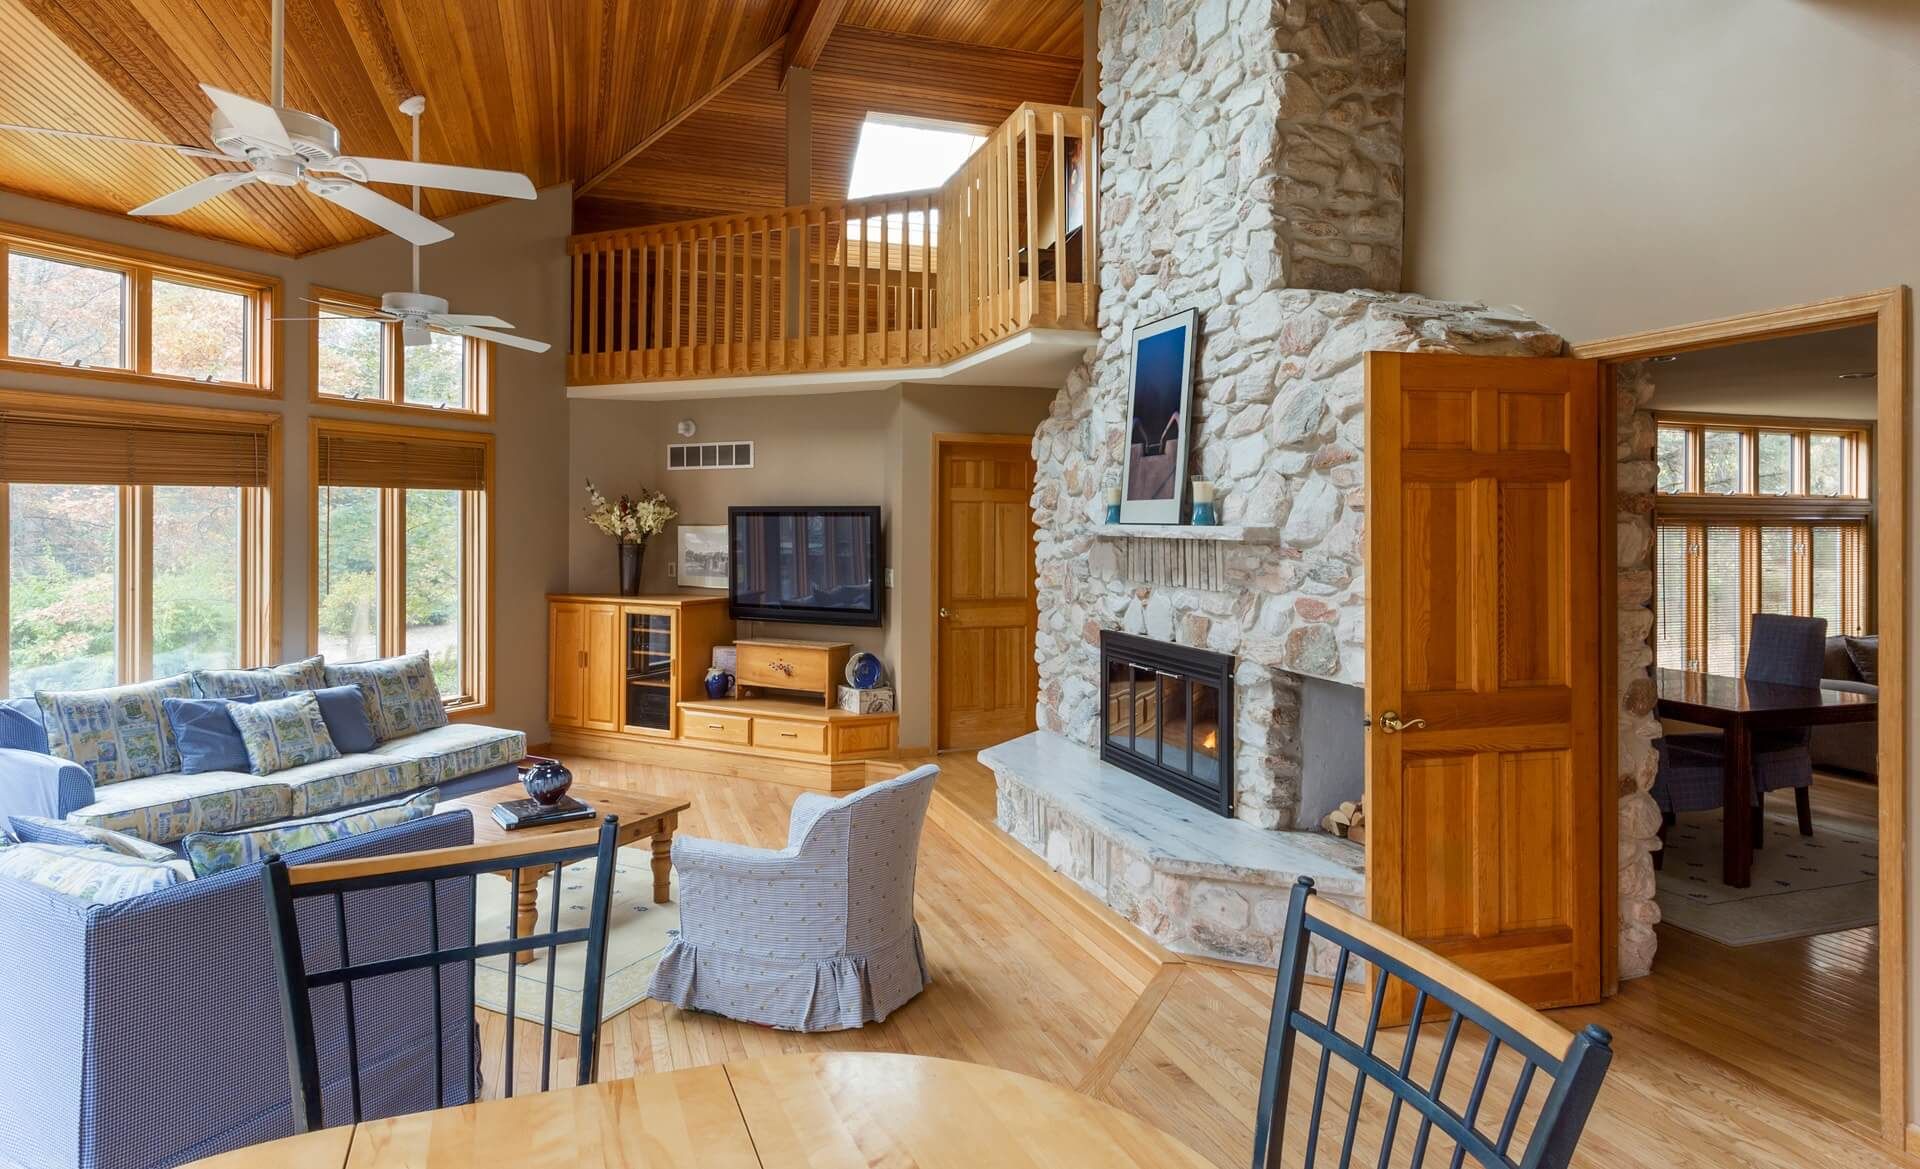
<point>508,259</point>
<point>869,448</point>
<point>1644,163</point>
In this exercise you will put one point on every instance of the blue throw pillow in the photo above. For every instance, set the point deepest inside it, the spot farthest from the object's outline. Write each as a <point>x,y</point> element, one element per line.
<point>21,727</point>
<point>205,734</point>
<point>345,710</point>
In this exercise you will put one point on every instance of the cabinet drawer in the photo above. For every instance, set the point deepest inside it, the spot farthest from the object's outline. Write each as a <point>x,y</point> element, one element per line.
<point>784,735</point>
<point>781,667</point>
<point>716,728</point>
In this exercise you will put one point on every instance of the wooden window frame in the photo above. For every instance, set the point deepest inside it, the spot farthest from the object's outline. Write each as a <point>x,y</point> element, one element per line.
<point>139,269</point>
<point>261,539</point>
<point>1856,457</point>
<point>477,561</point>
<point>393,373</point>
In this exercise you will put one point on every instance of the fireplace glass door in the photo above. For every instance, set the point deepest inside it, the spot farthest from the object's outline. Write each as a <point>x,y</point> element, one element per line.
<point>1167,717</point>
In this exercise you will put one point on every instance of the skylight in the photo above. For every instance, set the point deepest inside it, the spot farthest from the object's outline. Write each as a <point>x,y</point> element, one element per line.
<point>896,155</point>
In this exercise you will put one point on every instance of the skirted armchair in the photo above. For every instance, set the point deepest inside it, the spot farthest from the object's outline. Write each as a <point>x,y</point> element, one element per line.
<point>816,936</point>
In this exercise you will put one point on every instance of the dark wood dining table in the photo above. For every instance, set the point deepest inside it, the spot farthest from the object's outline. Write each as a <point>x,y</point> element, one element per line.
<point>1740,707</point>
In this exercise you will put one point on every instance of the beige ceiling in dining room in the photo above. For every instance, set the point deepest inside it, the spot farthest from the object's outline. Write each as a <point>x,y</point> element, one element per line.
<point>558,89</point>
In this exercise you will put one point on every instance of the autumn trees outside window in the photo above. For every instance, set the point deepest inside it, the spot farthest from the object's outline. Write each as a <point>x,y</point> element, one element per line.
<point>1757,515</point>
<point>95,310</point>
<point>360,360</point>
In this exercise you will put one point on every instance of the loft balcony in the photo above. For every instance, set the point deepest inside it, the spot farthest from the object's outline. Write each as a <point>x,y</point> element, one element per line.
<point>990,279</point>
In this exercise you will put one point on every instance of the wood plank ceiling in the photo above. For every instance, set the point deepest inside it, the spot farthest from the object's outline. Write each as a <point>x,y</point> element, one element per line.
<point>559,89</point>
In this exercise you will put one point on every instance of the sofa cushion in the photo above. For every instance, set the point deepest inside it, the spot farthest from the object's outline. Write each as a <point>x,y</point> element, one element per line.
<point>1835,661</point>
<point>346,713</point>
<point>349,780</point>
<point>283,732</point>
<point>35,830</point>
<point>457,749</point>
<point>97,876</point>
<point>400,695</point>
<point>1865,654</point>
<point>117,733</point>
<point>164,808</point>
<point>216,852</point>
<point>264,682</point>
<point>22,727</point>
<point>205,735</point>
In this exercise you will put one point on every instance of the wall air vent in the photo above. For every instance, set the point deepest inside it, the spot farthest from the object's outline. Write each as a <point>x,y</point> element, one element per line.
<point>709,456</point>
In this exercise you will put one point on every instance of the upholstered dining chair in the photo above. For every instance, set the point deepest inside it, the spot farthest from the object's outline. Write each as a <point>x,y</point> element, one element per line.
<point>816,936</point>
<point>1473,1072</point>
<point>1780,648</point>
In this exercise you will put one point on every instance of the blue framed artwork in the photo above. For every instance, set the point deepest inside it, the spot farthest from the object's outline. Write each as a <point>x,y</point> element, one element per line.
<point>1159,417</point>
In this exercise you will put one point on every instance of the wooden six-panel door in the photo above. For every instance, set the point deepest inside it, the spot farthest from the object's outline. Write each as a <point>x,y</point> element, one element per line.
<point>1484,789</point>
<point>986,616</point>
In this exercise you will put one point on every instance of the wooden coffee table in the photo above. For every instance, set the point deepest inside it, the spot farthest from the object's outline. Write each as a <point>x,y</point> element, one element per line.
<point>641,816</point>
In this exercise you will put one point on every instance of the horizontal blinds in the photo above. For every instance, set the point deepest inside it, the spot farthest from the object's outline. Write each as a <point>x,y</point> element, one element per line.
<point>42,449</point>
<point>355,459</point>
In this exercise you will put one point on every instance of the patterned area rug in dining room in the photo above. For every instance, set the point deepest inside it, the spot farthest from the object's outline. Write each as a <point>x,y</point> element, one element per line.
<point>1802,885</point>
<point>636,938</point>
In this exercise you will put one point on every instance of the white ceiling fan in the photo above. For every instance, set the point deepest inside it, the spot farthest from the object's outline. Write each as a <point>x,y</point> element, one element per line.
<point>419,314</point>
<point>281,147</point>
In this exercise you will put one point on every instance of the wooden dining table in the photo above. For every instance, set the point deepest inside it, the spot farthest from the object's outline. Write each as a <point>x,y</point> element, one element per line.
<point>1740,707</point>
<point>826,1110</point>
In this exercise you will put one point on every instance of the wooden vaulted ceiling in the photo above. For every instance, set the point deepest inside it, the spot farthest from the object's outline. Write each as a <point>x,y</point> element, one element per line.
<point>559,89</point>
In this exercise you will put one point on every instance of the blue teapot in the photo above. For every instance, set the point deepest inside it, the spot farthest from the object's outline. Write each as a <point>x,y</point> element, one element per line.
<point>719,683</point>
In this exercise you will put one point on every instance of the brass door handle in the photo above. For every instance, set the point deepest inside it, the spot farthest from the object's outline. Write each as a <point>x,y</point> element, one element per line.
<point>1390,723</point>
<point>943,612</point>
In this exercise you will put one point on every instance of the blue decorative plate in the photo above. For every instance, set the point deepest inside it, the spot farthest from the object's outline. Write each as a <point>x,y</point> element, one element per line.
<point>864,671</point>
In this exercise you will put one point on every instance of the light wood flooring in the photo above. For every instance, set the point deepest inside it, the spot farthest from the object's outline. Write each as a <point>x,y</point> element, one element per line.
<point>1754,1057</point>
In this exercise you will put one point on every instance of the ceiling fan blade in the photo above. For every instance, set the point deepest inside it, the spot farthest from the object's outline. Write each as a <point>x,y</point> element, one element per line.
<point>526,343</point>
<point>194,194</point>
<point>85,136</point>
<point>377,208</point>
<point>504,183</point>
<point>467,320</point>
<point>255,119</point>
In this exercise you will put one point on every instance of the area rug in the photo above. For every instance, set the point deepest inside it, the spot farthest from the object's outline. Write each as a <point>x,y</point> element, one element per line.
<point>1801,885</point>
<point>637,935</point>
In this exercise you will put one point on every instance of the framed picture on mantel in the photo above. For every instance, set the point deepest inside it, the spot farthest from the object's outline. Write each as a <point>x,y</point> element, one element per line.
<point>1159,410</point>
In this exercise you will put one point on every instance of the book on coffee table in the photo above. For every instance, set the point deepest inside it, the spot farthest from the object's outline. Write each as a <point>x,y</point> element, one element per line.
<point>532,813</point>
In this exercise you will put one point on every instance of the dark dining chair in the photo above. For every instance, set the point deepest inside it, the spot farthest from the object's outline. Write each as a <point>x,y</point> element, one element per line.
<point>1450,1106</point>
<point>1783,649</point>
<point>308,910</point>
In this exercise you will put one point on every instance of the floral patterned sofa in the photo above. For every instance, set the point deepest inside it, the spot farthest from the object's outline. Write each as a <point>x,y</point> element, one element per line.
<point>106,758</point>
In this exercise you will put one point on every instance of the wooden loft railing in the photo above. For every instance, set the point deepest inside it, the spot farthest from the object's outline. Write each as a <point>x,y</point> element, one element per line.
<point>915,279</point>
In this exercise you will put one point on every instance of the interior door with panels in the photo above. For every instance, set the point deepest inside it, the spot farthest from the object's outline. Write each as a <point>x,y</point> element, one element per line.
<point>1484,791</point>
<point>987,617</point>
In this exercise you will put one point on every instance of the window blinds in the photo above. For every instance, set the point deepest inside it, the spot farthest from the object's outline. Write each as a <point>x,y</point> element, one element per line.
<point>357,459</point>
<point>1710,578</point>
<point>50,448</point>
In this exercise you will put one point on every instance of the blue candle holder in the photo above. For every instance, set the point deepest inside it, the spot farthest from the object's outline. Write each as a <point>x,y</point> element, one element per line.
<point>1203,515</point>
<point>1113,513</point>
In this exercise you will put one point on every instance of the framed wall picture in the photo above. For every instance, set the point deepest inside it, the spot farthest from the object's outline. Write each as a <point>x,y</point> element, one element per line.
<point>703,556</point>
<point>1159,413</point>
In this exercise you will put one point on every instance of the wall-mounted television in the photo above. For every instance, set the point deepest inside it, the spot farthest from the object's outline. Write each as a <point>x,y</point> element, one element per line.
<point>813,565</point>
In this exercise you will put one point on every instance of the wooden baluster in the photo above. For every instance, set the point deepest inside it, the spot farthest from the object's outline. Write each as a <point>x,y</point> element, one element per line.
<point>1089,232</point>
<point>604,360</point>
<point>860,323</point>
<point>766,292</point>
<point>846,278</point>
<point>1059,179</point>
<point>579,314</point>
<point>1030,286</point>
<point>926,279</point>
<point>1010,311</point>
<point>726,304</point>
<point>623,352</point>
<point>820,289</point>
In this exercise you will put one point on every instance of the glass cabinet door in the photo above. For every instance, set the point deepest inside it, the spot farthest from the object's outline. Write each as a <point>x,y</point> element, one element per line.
<point>649,670</point>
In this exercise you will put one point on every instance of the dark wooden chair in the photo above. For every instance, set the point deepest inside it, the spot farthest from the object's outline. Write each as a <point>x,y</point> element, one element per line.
<point>308,907</point>
<point>1452,1108</point>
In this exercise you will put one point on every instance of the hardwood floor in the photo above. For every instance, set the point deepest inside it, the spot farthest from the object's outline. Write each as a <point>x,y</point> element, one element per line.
<point>1756,1057</point>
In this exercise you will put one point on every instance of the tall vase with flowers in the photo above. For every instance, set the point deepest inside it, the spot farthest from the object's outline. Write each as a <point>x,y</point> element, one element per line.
<point>630,520</point>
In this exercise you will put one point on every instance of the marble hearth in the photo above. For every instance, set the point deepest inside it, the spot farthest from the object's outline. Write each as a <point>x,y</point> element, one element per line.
<point>1198,882</point>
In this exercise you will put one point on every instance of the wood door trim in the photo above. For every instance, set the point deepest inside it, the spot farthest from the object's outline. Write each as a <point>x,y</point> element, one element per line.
<point>936,530</point>
<point>1890,311</point>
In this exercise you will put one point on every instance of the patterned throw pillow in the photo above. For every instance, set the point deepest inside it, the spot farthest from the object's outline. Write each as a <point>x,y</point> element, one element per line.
<point>95,875</point>
<point>216,852</point>
<point>266,682</point>
<point>117,733</point>
<point>283,733</point>
<point>399,692</point>
<point>36,830</point>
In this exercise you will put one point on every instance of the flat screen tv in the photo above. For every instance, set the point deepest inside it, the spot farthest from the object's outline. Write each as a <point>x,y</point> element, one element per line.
<point>812,565</point>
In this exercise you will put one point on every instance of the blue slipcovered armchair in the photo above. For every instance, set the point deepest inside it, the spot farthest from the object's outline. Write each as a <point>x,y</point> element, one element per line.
<point>148,1033</point>
<point>32,782</point>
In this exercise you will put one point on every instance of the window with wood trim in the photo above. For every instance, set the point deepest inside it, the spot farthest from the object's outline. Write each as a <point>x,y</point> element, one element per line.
<point>402,563</point>
<point>74,306</point>
<point>361,359</point>
<point>140,540</point>
<point>1757,515</point>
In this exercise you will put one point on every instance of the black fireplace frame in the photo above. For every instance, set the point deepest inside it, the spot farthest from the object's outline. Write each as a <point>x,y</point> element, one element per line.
<point>1198,665</point>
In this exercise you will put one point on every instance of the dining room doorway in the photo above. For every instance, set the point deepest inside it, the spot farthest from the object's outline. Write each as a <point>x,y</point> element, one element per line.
<point>1760,467</point>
